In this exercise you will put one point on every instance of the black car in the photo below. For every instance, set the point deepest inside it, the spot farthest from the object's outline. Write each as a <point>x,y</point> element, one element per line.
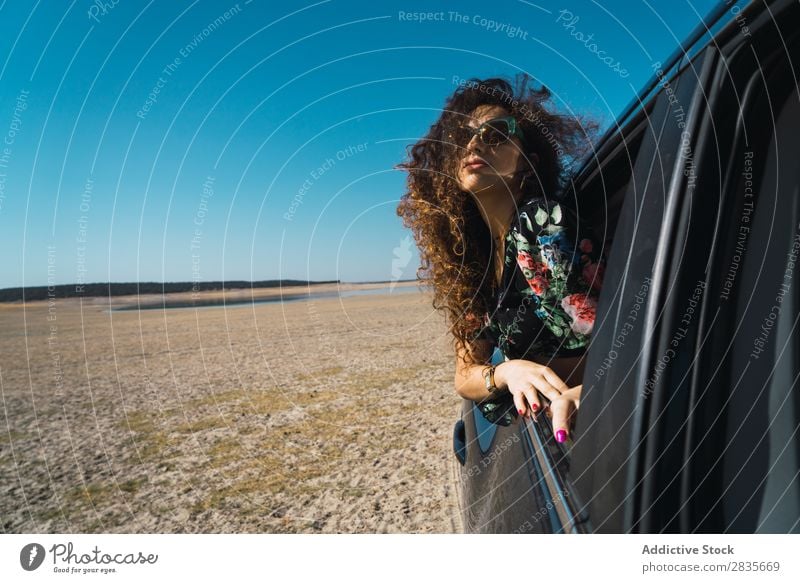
<point>690,409</point>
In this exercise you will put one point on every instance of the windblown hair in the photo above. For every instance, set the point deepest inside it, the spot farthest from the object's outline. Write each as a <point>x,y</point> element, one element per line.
<point>456,247</point>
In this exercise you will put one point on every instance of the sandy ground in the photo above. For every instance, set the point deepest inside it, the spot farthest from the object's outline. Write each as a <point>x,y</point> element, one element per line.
<point>327,415</point>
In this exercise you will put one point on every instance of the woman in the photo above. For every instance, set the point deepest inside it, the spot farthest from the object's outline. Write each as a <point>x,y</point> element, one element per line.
<point>509,261</point>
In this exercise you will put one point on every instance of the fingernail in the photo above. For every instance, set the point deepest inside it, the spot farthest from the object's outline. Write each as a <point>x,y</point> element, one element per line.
<point>520,411</point>
<point>561,436</point>
<point>535,407</point>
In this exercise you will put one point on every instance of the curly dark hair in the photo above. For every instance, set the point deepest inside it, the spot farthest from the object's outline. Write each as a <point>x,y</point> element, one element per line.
<point>456,247</point>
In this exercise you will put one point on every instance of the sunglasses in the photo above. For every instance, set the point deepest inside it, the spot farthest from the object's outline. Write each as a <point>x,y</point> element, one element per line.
<point>492,132</point>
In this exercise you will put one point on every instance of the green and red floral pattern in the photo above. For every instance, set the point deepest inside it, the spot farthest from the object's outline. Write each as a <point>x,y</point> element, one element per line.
<point>552,275</point>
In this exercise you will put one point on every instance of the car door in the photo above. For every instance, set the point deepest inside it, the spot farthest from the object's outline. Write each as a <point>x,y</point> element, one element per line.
<point>684,428</point>
<point>499,484</point>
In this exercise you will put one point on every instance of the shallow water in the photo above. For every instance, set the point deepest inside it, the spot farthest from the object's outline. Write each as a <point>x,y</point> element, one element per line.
<point>219,303</point>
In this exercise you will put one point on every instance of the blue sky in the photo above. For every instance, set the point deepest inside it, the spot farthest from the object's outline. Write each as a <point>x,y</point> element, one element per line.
<point>180,141</point>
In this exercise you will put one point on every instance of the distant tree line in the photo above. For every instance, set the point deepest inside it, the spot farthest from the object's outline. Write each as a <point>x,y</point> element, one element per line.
<point>88,290</point>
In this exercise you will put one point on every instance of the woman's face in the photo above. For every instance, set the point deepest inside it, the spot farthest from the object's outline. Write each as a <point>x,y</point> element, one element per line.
<point>481,167</point>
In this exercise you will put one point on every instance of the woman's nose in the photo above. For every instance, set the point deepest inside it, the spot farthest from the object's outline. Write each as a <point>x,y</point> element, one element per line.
<point>474,145</point>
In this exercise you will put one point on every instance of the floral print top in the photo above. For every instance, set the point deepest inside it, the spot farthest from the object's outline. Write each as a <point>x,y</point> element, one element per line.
<point>552,274</point>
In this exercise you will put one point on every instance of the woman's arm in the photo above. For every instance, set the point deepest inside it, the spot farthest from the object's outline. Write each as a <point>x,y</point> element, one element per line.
<point>469,381</point>
<point>522,378</point>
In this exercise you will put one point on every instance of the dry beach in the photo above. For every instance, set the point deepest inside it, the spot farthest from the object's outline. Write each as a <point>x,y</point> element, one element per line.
<point>331,414</point>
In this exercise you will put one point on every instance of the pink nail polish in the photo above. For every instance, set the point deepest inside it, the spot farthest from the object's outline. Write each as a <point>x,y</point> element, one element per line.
<point>561,436</point>
<point>520,411</point>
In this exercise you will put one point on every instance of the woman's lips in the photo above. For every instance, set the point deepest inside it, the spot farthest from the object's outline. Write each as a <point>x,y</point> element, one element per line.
<point>475,165</point>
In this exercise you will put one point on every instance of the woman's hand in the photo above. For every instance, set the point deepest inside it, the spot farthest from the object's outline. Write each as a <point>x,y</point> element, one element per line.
<point>525,380</point>
<point>563,410</point>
